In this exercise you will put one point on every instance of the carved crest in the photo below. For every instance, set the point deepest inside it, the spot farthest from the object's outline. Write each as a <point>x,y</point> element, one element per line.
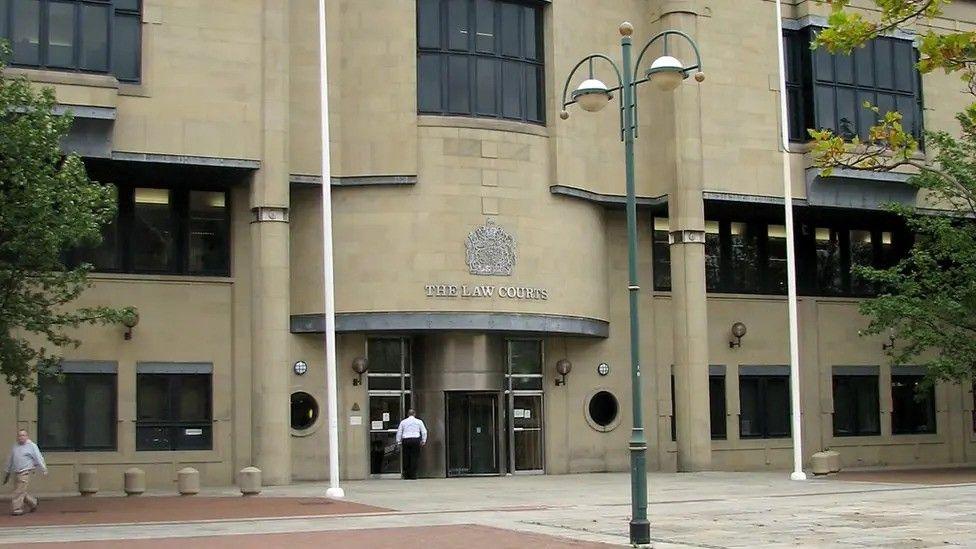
<point>490,250</point>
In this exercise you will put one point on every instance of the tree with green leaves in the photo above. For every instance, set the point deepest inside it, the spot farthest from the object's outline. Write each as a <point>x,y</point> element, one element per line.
<point>928,299</point>
<point>47,205</point>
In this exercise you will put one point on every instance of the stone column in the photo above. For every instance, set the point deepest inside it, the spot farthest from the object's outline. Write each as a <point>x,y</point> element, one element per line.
<point>270,258</point>
<point>687,225</point>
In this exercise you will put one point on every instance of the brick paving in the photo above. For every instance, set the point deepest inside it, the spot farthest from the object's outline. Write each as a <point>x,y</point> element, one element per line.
<point>465,536</point>
<point>126,510</point>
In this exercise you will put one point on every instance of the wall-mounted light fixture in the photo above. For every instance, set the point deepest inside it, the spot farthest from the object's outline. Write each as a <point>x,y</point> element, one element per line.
<point>563,367</point>
<point>738,330</point>
<point>300,368</point>
<point>359,366</point>
<point>603,369</point>
<point>891,341</point>
<point>130,321</point>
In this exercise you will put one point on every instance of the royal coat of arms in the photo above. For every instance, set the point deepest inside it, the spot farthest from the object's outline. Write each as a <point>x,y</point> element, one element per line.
<point>490,251</point>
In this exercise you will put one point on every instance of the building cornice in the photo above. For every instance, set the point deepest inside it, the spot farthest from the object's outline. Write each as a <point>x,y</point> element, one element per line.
<point>412,322</point>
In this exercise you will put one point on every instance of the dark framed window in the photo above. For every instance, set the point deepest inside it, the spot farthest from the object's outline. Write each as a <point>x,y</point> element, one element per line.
<point>716,405</point>
<point>745,253</point>
<point>764,406</point>
<point>77,412</point>
<point>740,256</point>
<point>165,231</point>
<point>97,36</point>
<point>481,58</point>
<point>661,255</point>
<point>174,412</point>
<point>856,405</point>
<point>912,406</point>
<point>829,251</point>
<point>827,91</point>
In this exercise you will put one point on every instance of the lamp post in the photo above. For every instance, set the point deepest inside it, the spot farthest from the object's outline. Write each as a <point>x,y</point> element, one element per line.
<point>666,73</point>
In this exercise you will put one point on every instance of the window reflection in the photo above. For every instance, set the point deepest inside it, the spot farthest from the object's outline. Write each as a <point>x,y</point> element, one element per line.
<point>152,243</point>
<point>713,256</point>
<point>827,249</point>
<point>208,238</point>
<point>776,259</point>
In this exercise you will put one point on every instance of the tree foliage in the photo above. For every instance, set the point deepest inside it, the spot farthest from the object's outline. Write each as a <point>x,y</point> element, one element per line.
<point>47,205</point>
<point>928,300</point>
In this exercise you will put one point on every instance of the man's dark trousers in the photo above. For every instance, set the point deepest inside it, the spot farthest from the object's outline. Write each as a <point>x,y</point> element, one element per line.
<point>411,455</point>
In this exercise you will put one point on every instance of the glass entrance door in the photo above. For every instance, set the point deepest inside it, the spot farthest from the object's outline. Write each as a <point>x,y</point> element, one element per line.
<point>472,428</point>
<point>389,385</point>
<point>527,441</point>
<point>524,421</point>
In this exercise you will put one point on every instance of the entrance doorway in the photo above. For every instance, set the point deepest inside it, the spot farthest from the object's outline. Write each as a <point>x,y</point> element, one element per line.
<point>472,429</point>
<point>524,406</point>
<point>389,384</point>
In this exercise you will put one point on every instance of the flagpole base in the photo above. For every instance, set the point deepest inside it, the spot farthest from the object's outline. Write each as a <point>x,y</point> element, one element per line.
<point>798,475</point>
<point>335,493</point>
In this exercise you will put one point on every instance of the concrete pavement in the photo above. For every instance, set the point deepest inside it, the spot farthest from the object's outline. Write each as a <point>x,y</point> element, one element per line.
<point>686,510</point>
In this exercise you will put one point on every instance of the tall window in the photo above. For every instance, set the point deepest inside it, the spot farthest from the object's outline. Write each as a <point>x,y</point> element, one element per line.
<point>828,91</point>
<point>99,36</point>
<point>913,408</point>
<point>77,412</point>
<point>481,58</point>
<point>173,410</point>
<point>764,403</point>
<point>856,406</point>
<point>716,404</point>
<point>661,254</point>
<point>165,231</point>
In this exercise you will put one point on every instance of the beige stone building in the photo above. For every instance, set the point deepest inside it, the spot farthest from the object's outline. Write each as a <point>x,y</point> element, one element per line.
<point>479,240</point>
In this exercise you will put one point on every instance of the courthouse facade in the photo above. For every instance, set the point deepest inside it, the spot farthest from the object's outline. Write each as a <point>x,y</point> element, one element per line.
<point>479,241</point>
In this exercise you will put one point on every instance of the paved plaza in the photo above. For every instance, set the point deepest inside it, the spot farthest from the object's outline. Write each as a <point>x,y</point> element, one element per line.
<point>703,510</point>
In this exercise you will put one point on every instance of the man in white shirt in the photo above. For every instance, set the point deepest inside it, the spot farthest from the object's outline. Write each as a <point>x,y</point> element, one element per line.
<point>411,435</point>
<point>24,458</point>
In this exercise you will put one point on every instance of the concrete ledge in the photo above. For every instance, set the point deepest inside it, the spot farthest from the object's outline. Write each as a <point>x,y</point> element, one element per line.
<point>530,323</point>
<point>609,200</point>
<point>187,160</point>
<point>354,180</point>
<point>477,123</point>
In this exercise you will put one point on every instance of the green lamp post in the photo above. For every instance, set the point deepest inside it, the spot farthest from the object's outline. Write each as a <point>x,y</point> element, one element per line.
<point>666,73</point>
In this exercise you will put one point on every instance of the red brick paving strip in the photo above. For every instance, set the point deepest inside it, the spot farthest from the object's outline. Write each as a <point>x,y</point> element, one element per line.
<point>960,475</point>
<point>116,510</point>
<point>466,536</point>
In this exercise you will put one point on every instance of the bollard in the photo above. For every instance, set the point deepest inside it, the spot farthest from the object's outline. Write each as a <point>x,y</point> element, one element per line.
<point>249,480</point>
<point>88,482</point>
<point>833,461</point>
<point>820,463</point>
<point>134,481</point>
<point>188,481</point>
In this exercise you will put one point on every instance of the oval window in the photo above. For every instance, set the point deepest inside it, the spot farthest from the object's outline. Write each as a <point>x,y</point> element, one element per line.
<point>304,411</point>
<point>603,408</point>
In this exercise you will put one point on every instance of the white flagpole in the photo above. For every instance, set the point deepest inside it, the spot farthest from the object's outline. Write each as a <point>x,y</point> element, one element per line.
<point>328,290</point>
<point>795,407</point>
